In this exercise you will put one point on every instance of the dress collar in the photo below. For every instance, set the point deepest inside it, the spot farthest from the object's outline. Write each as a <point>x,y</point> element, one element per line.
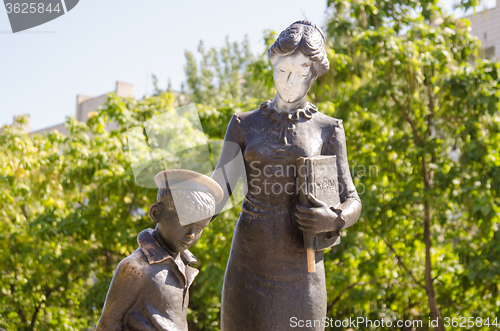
<point>268,110</point>
<point>284,121</point>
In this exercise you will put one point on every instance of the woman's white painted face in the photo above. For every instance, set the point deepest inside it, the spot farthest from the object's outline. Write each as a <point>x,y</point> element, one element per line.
<point>293,76</point>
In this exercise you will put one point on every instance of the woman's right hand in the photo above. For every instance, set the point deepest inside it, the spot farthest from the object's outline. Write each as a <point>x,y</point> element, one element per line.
<point>318,218</point>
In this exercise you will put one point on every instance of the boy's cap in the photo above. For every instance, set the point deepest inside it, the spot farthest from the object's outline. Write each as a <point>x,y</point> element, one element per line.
<point>187,179</point>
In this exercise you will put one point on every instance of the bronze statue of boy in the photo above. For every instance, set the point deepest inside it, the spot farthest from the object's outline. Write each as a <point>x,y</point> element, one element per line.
<point>150,288</point>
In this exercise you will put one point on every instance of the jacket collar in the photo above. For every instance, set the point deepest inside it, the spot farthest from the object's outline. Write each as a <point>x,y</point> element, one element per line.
<point>157,254</point>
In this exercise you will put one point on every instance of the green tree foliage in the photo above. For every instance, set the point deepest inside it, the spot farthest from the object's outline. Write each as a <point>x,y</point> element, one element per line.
<point>423,138</point>
<point>223,76</point>
<point>71,210</point>
<point>43,273</point>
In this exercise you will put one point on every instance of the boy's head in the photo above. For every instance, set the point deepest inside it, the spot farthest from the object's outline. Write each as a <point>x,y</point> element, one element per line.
<point>185,205</point>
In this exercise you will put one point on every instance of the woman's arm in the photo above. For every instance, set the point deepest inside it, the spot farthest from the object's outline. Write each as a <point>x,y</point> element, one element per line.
<point>350,207</point>
<point>231,165</point>
<point>318,218</point>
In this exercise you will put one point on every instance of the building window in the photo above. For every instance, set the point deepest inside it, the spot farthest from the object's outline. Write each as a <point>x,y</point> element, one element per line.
<point>489,53</point>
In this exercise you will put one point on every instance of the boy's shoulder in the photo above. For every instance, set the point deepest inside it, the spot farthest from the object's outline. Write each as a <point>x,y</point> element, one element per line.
<point>135,264</point>
<point>137,258</point>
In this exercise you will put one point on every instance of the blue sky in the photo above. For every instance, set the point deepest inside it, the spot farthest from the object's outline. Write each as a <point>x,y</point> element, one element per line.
<point>99,42</point>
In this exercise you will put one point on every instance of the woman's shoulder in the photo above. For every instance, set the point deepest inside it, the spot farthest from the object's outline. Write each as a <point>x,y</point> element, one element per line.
<point>249,115</point>
<point>239,123</point>
<point>333,130</point>
<point>247,118</point>
<point>328,121</point>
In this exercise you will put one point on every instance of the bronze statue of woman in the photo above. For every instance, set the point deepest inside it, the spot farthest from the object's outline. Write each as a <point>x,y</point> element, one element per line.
<point>267,286</point>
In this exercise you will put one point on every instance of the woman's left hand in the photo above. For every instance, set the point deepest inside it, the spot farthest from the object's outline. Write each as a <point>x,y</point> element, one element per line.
<point>318,218</point>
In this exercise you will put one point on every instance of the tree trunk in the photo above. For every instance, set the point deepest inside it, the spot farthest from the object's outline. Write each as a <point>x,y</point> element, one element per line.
<point>431,296</point>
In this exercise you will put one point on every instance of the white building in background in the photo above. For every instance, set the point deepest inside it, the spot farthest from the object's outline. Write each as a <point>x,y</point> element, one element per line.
<point>486,26</point>
<point>86,104</point>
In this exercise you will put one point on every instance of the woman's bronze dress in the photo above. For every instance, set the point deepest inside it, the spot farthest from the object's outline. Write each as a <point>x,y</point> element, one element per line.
<point>267,285</point>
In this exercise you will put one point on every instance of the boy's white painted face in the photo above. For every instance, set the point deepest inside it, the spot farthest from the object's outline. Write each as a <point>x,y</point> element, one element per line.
<point>293,76</point>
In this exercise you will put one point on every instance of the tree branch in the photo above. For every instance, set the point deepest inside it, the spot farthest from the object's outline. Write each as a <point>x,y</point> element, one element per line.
<point>21,315</point>
<point>425,173</point>
<point>337,299</point>
<point>417,138</point>
<point>430,117</point>
<point>429,288</point>
<point>20,311</point>
<point>24,209</point>
<point>47,293</point>
<point>33,318</point>
<point>401,263</point>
